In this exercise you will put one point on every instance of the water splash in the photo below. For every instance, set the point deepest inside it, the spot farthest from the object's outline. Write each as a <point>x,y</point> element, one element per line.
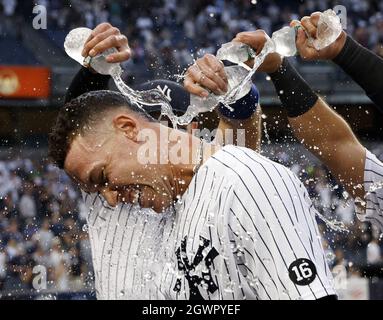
<point>153,97</point>
<point>373,187</point>
<point>266,132</point>
<point>74,44</point>
<point>239,77</point>
<point>333,224</point>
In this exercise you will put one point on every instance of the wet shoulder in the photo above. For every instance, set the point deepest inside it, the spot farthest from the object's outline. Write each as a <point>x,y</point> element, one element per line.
<point>239,159</point>
<point>245,165</point>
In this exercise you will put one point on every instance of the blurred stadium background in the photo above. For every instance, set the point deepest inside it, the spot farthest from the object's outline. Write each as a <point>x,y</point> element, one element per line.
<point>42,218</point>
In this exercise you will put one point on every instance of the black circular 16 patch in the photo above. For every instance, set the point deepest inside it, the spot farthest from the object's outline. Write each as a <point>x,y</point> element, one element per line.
<point>302,272</point>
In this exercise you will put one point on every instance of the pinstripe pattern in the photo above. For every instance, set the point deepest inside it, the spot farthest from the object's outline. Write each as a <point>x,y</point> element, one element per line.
<point>125,244</point>
<point>256,214</point>
<point>373,176</point>
<point>248,213</point>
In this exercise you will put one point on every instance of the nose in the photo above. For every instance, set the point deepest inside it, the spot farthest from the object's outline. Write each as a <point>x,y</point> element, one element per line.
<point>110,197</point>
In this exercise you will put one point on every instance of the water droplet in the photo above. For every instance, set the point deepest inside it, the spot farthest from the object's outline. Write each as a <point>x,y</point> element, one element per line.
<point>148,276</point>
<point>330,256</point>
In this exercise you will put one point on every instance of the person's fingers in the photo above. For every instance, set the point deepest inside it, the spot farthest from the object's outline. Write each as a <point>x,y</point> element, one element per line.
<point>301,42</point>
<point>250,41</point>
<point>236,39</point>
<point>198,77</point>
<point>97,39</point>
<point>194,88</point>
<point>218,68</point>
<point>310,28</point>
<point>301,37</point>
<point>99,29</point>
<point>304,49</point>
<point>244,35</point>
<point>216,65</point>
<point>91,46</point>
<point>102,27</point>
<point>295,23</point>
<point>119,56</point>
<point>241,37</point>
<point>314,18</point>
<point>254,39</point>
<point>209,79</point>
<point>124,51</point>
<point>113,41</point>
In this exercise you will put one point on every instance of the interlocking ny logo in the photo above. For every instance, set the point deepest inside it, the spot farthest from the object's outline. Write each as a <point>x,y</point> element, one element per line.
<point>166,91</point>
<point>189,269</point>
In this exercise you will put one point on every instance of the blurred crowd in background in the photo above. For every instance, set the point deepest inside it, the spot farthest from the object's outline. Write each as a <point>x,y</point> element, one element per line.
<point>41,224</point>
<point>167,35</point>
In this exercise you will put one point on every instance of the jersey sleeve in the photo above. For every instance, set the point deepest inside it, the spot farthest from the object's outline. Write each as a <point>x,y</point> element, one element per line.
<point>373,185</point>
<point>276,239</point>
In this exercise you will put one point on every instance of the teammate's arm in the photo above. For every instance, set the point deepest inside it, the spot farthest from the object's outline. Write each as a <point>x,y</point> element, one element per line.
<point>103,37</point>
<point>314,123</point>
<point>361,64</point>
<point>208,74</point>
<point>329,137</point>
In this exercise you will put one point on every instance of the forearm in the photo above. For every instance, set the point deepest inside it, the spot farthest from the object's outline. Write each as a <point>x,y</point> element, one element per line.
<point>320,128</point>
<point>364,67</point>
<point>328,136</point>
<point>86,81</point>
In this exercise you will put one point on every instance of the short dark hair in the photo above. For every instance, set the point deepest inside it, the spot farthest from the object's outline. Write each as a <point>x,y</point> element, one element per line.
<point>77,114</point>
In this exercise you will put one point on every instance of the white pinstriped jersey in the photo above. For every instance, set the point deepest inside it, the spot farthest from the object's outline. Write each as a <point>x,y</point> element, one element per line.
<point>127,248</point>
<point>373,185</point>
<point>244,229</point>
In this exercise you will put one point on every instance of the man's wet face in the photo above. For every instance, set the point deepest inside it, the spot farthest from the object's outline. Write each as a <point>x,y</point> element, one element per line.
<point>108,164</point>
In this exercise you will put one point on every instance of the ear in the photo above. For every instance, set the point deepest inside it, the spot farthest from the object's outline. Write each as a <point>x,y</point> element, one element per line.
<point>127,124</point>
